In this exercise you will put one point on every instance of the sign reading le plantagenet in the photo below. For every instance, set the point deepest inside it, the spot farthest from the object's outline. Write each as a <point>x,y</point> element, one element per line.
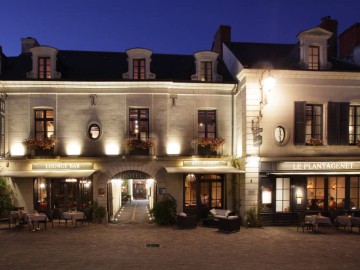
<point>59,166</point>
<point>318,166</point>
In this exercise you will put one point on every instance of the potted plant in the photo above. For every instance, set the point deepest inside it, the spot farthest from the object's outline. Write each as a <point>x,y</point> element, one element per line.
<point>139,147</point>
<point>209,146</point>
<point>99,211</point>
<point>164,212</point>
<point>40,146</point>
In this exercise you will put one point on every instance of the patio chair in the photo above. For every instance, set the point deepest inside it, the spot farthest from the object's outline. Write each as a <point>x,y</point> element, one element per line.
<point>50,215</point>
<point>62,217</point>
<point>186,222</point>
<point>87,216</point>
<point>230,224</point>
<point>300,220</point>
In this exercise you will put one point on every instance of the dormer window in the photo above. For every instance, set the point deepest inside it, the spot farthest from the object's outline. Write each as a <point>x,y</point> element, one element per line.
<point>206,67</point>
<point>43,63</point>
<point>139,69</point>
<point>313,49</point>
<point>314,57</point>
<point>44,68</point>
<point>206,71</point>
<point>139,65</point>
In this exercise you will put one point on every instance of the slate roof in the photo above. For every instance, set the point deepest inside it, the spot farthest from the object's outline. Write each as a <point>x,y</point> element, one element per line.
<point>109,66</point>
<point>279,56</point>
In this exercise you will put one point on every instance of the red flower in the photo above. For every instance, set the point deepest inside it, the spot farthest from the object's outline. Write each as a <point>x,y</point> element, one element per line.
<point>213,143</point>
<point>132,144</point>
<point>34,143</point>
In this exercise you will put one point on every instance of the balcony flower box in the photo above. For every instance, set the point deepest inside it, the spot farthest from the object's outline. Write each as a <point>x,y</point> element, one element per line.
<point>315,142</point>
<point>209,146</point>
<point>139,147</point>
<point>40,147</point>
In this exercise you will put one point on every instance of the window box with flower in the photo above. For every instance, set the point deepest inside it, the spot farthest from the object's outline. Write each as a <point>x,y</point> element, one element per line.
<point>315,142</point>
<point>139,147</point>
<point>209,146</point>
<point>40,147</point>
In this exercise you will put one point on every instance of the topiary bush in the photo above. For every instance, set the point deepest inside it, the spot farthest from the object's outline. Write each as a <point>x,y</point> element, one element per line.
<point>6,198</point>
<point>252,216</point>
<point>164,212</point>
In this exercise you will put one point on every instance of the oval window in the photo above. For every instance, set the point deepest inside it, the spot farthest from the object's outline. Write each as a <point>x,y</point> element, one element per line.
<point>94,131</point>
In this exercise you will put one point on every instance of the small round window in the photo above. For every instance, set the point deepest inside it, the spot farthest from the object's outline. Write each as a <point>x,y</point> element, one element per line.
<point>94,131</point>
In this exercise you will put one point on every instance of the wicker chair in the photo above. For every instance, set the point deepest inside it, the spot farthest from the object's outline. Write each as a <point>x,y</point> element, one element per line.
<point>186,222</point>
<point>230,224</point>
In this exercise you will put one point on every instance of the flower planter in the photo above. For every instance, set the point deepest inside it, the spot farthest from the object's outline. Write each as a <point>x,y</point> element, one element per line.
<point>206,151</point>
<point>44,152</point>
<point>139,152</point>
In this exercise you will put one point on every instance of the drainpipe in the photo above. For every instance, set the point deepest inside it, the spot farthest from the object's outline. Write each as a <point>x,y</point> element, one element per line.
<point>234,91</point>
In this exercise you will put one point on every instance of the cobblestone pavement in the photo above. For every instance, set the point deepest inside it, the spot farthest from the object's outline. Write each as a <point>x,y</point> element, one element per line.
<point>148,246</point>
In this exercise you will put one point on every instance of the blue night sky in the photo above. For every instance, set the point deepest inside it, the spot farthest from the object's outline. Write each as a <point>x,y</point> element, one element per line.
<point>163,26</point>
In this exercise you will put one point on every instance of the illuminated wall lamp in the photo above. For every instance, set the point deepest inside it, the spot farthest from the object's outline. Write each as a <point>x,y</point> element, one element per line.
<point>266,196</point>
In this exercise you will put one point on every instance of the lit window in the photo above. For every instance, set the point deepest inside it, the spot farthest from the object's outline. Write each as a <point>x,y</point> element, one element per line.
<point>315,193</point>
<point>336,193</point>
<point>44,124</point>
<point>314,59</point>
<point>44,68</point>
<point>139,124</point>
<point>206,71</point>
<point>282,194</point>
<point>207,123</point>
<point>314,123</point>
<point>139,69</point>
<point>354,192</point>
<point>354,125</point>
<point>94,131</point>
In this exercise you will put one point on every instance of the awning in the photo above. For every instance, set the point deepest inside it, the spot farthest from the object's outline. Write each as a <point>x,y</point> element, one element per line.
<point>49,174</point>
<point>190,169</point>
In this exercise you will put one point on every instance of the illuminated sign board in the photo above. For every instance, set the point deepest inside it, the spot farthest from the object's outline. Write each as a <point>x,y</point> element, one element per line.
<point>205,163</point>
<point>59,166</point>
<point>318,166</point>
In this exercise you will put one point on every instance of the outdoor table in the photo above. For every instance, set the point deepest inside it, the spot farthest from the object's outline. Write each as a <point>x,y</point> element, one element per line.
<point>31,218</point>
<point>316,220</point>
<point>355,222</point>
<point>343,221</point>
<point>73,216</point>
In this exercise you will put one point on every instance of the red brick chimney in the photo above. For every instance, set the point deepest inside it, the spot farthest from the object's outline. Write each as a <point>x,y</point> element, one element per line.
<point>348,40</point>
<point>222,35</point>
<point>331,25</point>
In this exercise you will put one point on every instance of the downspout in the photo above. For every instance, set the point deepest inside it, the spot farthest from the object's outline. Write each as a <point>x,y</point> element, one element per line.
<point>234,91</point>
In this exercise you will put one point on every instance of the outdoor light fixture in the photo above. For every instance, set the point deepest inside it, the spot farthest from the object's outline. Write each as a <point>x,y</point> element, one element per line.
<point>266,196</point>
<point>267,83</point>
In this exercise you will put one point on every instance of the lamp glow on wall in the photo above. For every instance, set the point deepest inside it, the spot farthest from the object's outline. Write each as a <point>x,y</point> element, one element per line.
<point>173,149</point>
<point>17,149</point>
<point>266,196</point>
<point>112,149</point>
<point>73,149</point>
<point>267,83</point>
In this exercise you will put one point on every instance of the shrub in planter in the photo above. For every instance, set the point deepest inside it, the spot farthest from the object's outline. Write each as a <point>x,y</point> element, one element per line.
<point>252,216</point>
<point>164,212</point>
<point>99,211</point>
<point>6,195</point>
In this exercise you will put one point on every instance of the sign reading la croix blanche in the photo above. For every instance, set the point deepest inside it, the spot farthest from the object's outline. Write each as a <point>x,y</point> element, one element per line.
<point>63,166</point>
<point>318,166</point>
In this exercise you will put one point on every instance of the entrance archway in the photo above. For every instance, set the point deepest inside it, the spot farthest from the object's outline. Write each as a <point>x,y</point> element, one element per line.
<point>128,189</point>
